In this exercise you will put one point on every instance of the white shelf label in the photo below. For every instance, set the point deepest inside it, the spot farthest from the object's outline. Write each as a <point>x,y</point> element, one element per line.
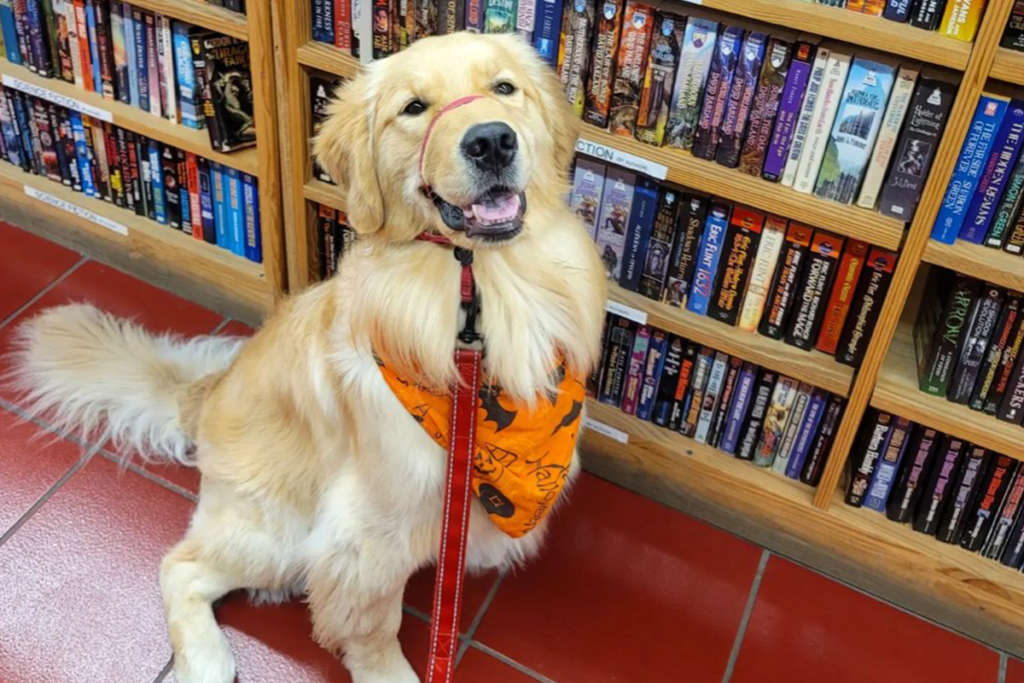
<point>88,215</point>
<point>57,98</point>
<point>606,430</point>
<point>624,311</point>
<point>620,158</point>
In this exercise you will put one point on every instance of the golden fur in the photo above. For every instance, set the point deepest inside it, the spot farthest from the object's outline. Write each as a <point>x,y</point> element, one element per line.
<point>314,478</point>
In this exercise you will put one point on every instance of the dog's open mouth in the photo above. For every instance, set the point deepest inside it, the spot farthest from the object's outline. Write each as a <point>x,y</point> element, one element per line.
<point>494,216</point>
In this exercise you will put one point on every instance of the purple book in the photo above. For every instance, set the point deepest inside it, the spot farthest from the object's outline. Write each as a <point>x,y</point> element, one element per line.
<point>635,374</point>
<point>789,111</point>
<point>808,430</point>
<point>1000,163</point>
<point>738,408</point>
<point>716,92</point>
<point>653,367</point>
<point>741,99</point>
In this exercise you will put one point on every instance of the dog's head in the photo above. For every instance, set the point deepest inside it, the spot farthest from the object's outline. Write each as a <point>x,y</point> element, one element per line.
<point>458,133</point>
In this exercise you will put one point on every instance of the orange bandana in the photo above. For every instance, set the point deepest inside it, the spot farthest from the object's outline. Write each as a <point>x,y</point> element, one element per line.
<point>521,460</point>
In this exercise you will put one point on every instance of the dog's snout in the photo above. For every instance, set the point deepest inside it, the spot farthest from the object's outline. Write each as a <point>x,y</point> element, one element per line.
<point>491,146</point>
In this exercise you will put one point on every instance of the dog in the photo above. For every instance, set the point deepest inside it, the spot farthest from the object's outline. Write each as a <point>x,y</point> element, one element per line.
<point>316,480</point>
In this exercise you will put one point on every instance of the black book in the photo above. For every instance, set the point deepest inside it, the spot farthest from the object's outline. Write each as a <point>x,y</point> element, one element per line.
<point>121,85</point>
<point>172,193</point>
<point>782,292</point>
<point>694,400</point>
<point>1002,525</point>
<point>620,347</point>
<point>939,486</point>
<point>1013,554</point>
<point>320,91</point>
<point>817,456</point>
<point>725,398</point>
<point>1004,373</point>
<point>60,145</point>
<point>865,306</point>
<point>974,343</point>
<point>665,396</point>
<point>326,228</point>
<point>689,359</point>
<point>936,344</point>
<point>964,491</point>
<point>659,248</point>
<point>145,176</point>
<point>47,146</point>
<point>751,433</point>
<point>1001,337</point>
<point>130,164</point>
<point>229,112</point>
<point>913,473</point>
<point>105,49</point>
<point>927,14</point>
<point>686,242</point>
<point>874,433</point>
<point>987,503</point>
<point>1011,409</point>
<point>114,162</point>
<point>740,248</point>
<point>1013,36</point>
<point>815,283</point>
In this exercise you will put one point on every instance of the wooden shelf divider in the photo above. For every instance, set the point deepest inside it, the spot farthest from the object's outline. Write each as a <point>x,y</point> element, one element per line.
<point>976,260</point>
<point>324,57</point>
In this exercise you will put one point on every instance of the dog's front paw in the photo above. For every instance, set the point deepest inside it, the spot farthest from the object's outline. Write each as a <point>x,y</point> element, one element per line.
<point>209,662</point>
<point>391,667</point>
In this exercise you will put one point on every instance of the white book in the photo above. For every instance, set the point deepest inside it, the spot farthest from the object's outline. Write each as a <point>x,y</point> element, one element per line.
<point>796,417</point>
<point>825,110</point>
<point>803,122</point>
<point>709,401</point>
<point>773,235</point>
<point>165,48</point>
<point>68,10</point>
<point>892,123</point>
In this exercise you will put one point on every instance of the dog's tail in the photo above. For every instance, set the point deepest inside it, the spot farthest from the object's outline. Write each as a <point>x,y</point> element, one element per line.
<point>83,368</point>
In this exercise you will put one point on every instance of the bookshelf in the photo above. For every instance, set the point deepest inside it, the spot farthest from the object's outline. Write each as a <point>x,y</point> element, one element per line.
<point>242,287</point>
<point>813,525</point>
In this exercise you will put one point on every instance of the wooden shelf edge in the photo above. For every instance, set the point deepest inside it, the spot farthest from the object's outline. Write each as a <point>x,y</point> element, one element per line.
<point>228,22</point>
<point>897,392</point>
<point>813,367</point>
<point>327,58</point>
<point>976,260</point>
<point>709,177</point>
<point>1008,66</point>
<point>323,193</point>
<point>139,121</point>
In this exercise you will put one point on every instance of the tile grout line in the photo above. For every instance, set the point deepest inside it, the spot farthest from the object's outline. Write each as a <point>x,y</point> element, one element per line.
<point>42,292</point>
<point>1001,676</point>
<point>480,613</point>
<point>505,659</point>
<point>741,631</point>
<point>131,466</point>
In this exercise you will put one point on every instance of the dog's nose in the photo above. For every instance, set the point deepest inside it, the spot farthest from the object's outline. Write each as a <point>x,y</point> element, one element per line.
<point>491,146</point>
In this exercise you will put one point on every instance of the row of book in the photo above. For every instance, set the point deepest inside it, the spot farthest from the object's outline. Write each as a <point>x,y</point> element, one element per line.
<point>985,193</point>
<point>953,18</point>
<point>735,406</point>
<point>968,346</point>
<point>1013,36</point>
<point>742,267</point>
<point>334,237</point>
<point>186,192</point>
<point>187,74</point>
<point>945,487</point>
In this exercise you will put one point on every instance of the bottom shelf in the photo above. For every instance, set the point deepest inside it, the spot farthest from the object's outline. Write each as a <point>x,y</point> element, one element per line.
<point>138,239</point>
<point>861,547</point>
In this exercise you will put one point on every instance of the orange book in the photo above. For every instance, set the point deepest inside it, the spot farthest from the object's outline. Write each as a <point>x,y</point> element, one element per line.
<point>873,7</point>
<point>850,266</point>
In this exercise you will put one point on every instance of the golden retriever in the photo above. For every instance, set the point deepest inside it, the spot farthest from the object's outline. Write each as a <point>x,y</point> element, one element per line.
<point>315,480</point>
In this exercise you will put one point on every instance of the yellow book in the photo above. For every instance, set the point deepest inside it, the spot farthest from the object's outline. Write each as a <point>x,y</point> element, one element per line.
<point>961,19</point>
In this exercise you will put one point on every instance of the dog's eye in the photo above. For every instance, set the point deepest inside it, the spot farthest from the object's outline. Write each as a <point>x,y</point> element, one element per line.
<point>415,108</point>
<point>504,88</point>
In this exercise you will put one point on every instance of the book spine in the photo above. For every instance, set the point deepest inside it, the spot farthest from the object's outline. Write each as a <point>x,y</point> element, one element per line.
<point>927,14</point>
<point>818,454</point>
<point>160,191</point>
<point>95,60</point>
<point>888,135</point>
<point>800,133</point>
<point>613,218</point>
<point>219,183</point>
<point>638,236</point>
<point>732,372</point>
<point>783,288</point>
<point>131,47</point>
<point>974,343</point>
<point>659,249</point>
<point>789,108</point>
<point>546,35</point>
<point>789,434</point>
<point>1009,207</point>
<point>738,408</point>
<point>694,400</point>
<point>666,387</point>
<point>130,169</point>
<point>866,306</point>
<point>207,211</point>
<point>574,51</point>
<point>1001,339</point>
<point>825,110</point>
<point>775,421</point>
<point>716,93</point>
<point>708,404</point>
<point>656,96</point>
<point>634,375</point>
<point>878,431</point>
<point>847,276</point>
<point>1008,513</point>
<point>1001,160</point>
<point>119,53</point>
<point>1013,36</point>
<point>59,142</point>
<point>113,158</point>
<point>677,415</point>
<point>169,182</point>
<point>885,471</point>
<point>630,67</point>
<point>816,279</point>
<point>766,106</point>
<point>322,28</point>
<point>38,41</point>
<point>105,50</point>
<point>48,153</point>
<point>188,99</point>
<point>82,155</point>
<point>987,503</point>
<point>751,431</point>
<point>937,363</point>
<point>700,41</point>
<point>475,22</point>
<point>602,69</point>
<point>807,432</point>
<point>8,27</point>
<point>912,474</point>
<point>709,256</point>
<point>194,202</point>
<point>773,236</point>
<point>253,235</point>
<point>936,493</point>
<point>587,184</point>
<point>685,246</point>
<point>963,490</point>
<point>165,59</point>
<point>618,350</point>
<point>142,64</point>
<point>961,19</point>
<point>740,99</point>
<point>898,10</point>
<point>1004,372</point>
<point>327,219</point>
<point>235,211</point>
<point>52,36</point>
<point>1011,409</point>
<point>152,64</point>
<point>740,243</point>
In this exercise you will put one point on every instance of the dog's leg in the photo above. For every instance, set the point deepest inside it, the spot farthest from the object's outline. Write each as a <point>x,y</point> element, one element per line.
<point>190,585</point>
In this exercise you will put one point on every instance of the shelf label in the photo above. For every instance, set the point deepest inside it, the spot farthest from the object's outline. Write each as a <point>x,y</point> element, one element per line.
<point>624,311</point>
<point>57,98</point>
<point>88,215</point>
<point>606,430</point>
<point>620,158</point>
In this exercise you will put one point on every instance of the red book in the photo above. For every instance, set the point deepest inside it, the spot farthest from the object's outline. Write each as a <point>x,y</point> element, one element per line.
<point>192,183</point>
<point>838,306</point>
<point>343,24</point>
<point>82,30</point>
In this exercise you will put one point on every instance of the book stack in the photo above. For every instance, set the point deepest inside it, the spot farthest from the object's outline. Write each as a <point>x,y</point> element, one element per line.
<point>181,190</point>
<point>735,406</point>
<point>745,268</point>
<point>952,18</point>
<point>943,486</point>
<point>968,346</point>
<point>334,238</point>
<point>186,74</point>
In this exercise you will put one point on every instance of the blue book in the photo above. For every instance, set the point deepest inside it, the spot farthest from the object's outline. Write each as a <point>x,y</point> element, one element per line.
<point>142,61</point>
<point>638,235</point>
<point>708,255</point>
<point>22,115</point>
<point>184,202</point>
<point>206,209</point>
<point>37,38</point>
<point>987,118</point>
<point>131,46</point>
<point>94,45</point>
<point>156,179</point>
<point>888,465</point>
<point>10,32</point>
<point>657,347</point>
<point>1001,160</point>
<point>806,433</point>
<point>236,214</point>
<point>739,406</point>
<point>251,202</point>
<point>188,99</point>
<point>323,21</point>
<point>548,32</point>
<point>218,184</point>
<point>897,10</point>
<point>82,154</point>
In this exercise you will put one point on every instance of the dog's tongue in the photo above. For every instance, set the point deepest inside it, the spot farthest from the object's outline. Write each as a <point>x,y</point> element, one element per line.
<point>498,209</point>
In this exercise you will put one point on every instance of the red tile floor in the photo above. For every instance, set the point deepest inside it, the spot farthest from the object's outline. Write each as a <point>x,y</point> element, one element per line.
<point>626,590</point>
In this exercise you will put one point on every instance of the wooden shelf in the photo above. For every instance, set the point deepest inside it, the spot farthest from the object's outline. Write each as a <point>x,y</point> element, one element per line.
<point>813,367</point>
<point>323,193</point>
<point>984,263</point>
<point>145,239</point>
<point>897,392</point>
<point>707,176</point>
<point>852,27</point>
<point>327,58</point>
<point>1008,66</point>
<point>228,22</point>
<point>139,121</point>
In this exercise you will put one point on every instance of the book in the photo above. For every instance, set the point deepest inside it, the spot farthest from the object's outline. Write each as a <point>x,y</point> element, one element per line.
<point>218,184</point>
<point>614,366</point>
<point>816,80</point>
<point>739,248</point>
<point>500,16</point>
<point>574,50</point>
<point>978,329</point>
<point>866,306</point>
<point>916,148</point>
<point>708,258</point>
<point>989,498</point>
<point>775,420</point>
<point>825,110</point>
<point>685,244</point>
<point>699,43</point>
<point>680,399</point>
<point>938,488</point>
<point>1011,409</point>
<point>229,111</point>
<point>732,372</point>
<point>1005,517</point>
<point>887,465</point>
<point>1004,371</point>
<point>235,211</point>
<point>751,432</point>
<point>815,281</point>
<point>765,108</point>
<point>1001,160</point>
<point>253,247</point>
<point>612,219</point>
<point>1013,553</point>
<point>343,24</point>
<point>635,370</point>
<point>152,64</point>
<point>1009,207</point>
<point>913,471</point>
<point>654,365</point>
<point>927,14</point>
<point>327,221</point>
<point>169,182</point>
<point>630,67</point>
<point>738,407</point>
<point>638,235</point>
<point>937,361</point>
<point>961,19</point>
<point>847,275</point>
<point>888,135</point>
<point>817,456</point>
<point>603,56</point>
<point>195,210</point>
<point>710,397</point>
<point>716,93</point>
<point>693,402</point>
<point>969,166</point>
<point>788,111</point>
<point>57,13</point>
<point>1013,36</point>
<point>782,291</point>
<point>546,37</point>
<point>656,96</point>
<point>323,21</point>
<point>587,189</point>
<point>871,443</point>
<point>9,31</point>
<point>320,91</point>
<point>1001,338</point>
<point>898,10</point>
<point>664,395</point>
<point>963,491</point>
<point>793,422</point>
<point>659,249</point>
<point>773,235</point>
<point>165,60</point>
<point>740,99</point>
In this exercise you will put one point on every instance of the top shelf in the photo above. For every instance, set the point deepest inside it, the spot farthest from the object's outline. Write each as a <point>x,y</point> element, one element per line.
<point>228,22</point>
<point>1008,66</point>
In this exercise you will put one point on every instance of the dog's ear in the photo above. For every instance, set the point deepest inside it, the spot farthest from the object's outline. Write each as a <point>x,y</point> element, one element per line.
<point>344,147</point>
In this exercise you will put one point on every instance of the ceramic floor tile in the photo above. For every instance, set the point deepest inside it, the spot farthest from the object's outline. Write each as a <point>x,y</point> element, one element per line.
<point>28,263</point>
